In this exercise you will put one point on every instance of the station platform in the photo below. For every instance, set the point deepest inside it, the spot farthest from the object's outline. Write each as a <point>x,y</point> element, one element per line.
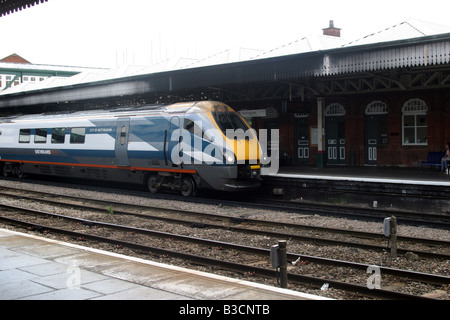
<point>406,175</point>
<point>36,268</point>
<point>388,188</point>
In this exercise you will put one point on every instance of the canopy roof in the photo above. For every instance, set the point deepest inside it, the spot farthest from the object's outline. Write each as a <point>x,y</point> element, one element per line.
<point>10,6</point>
<point>415,49</point>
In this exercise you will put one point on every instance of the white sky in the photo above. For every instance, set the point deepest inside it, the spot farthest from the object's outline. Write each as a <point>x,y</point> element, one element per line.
<point>110,33</point>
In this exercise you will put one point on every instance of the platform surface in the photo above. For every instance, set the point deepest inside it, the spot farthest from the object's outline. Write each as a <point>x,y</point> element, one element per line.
<point>368,174</point>
<point>36,268</point>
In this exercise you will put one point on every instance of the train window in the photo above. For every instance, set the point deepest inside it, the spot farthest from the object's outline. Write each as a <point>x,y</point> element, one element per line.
<point>123,135</point>
<point>77,135</point>
<point>58,135</point>
<point>24,135</point>
<point>40,136</point>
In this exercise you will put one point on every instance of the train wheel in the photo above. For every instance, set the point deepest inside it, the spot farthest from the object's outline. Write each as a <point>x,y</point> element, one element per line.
<point>188,187</point>
<point>6,170</point>
<point>152,184</point>
<point>19,173</point>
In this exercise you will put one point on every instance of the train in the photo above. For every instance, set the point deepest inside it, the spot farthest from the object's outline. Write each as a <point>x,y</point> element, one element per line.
<point>185,146</point>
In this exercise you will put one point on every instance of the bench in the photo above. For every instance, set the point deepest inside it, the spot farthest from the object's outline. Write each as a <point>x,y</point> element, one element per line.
<point>433,160</point>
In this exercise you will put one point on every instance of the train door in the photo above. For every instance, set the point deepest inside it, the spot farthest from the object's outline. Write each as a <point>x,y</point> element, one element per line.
<point>173,140</point>
<point>122,133</point>
<point>335,134</point>
<point>302,140</point>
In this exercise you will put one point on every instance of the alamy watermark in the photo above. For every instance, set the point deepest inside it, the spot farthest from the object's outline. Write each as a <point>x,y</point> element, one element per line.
<point>74,278</point>
<point>239,147</point>
<point>374,280</point>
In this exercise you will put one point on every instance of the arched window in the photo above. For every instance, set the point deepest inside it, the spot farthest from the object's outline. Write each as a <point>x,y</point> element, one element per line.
<point>335,109</point>
<point>415,123</point>
<point>376,107</point>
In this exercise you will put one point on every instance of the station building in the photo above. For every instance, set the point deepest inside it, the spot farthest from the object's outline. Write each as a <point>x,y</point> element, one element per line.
<point>382,100</point>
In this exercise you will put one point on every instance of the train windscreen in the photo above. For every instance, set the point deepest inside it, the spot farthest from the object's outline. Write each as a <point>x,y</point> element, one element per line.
<point>229,120</point>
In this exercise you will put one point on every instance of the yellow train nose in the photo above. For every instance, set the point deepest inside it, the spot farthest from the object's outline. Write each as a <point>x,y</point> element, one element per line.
<point>246,150</point>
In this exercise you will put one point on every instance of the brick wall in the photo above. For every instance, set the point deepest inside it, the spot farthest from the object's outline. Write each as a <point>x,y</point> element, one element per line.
<point>391,154</point>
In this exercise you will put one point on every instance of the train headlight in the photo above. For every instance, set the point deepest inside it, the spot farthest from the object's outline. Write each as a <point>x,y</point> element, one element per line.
<point>229,157</point>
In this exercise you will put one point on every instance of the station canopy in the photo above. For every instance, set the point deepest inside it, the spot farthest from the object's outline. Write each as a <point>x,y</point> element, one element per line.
<point>314,65</point>
<point>11,6</point>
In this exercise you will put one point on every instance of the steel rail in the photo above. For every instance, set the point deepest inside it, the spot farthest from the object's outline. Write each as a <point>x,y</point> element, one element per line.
<point>437,220</point>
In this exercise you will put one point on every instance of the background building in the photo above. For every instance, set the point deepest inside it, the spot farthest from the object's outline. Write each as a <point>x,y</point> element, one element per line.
<point>15,70</point>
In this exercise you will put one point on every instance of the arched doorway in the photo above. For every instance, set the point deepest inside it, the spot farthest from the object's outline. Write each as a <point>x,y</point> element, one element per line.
<point>335,133</point>
<point>376,129</point>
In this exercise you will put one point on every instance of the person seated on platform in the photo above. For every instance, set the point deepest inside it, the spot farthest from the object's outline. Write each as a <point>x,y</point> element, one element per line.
<point>446,158</point>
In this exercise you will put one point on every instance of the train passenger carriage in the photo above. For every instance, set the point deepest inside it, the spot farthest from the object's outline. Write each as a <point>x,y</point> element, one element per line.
<point>182,147</point>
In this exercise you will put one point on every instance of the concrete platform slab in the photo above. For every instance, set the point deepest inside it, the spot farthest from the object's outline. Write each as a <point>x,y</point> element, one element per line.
<point>143,293</point>
<point>20,289</point>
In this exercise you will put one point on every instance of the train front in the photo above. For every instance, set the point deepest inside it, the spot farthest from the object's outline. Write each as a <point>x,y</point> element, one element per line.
<point>240,168</point>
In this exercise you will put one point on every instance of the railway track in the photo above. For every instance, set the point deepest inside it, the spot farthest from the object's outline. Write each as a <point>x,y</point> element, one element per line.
<point>274,229</point>
<point>410,217</point>
<point>90,229</point>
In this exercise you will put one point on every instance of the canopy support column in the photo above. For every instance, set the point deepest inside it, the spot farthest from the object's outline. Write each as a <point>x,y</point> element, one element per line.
<point>320,134</point>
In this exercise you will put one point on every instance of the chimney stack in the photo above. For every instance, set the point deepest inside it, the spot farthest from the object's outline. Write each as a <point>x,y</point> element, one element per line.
<point>332,31</point>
